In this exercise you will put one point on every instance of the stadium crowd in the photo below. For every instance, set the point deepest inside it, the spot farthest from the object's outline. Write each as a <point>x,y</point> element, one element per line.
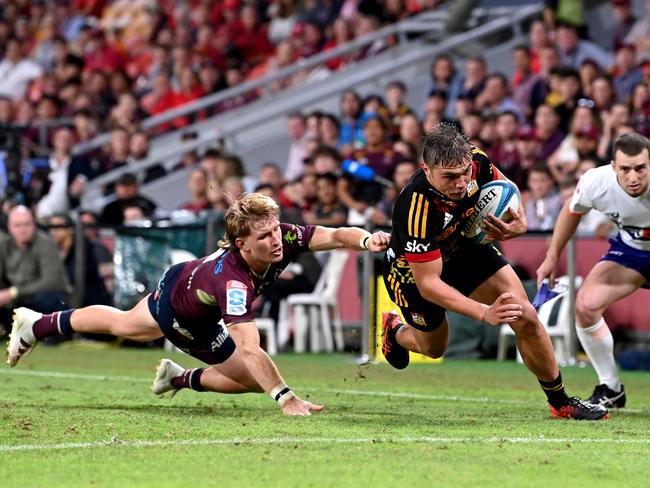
<point>104,66</point>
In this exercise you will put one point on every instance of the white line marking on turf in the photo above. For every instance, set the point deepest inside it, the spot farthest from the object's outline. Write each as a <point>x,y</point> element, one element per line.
<point>319,440</point>
<point>397,394</point>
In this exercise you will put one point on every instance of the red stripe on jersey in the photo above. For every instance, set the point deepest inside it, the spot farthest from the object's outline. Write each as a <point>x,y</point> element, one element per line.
<point>577,214</point>
<point>423,258</point>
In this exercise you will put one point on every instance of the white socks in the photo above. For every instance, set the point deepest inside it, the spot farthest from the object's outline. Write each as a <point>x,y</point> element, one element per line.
<point>598,343</point>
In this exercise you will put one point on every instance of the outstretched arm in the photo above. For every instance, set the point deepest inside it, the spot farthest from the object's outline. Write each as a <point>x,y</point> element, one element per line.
<point>263,369</point>
<point>565,226</point>
<point>326,238</point>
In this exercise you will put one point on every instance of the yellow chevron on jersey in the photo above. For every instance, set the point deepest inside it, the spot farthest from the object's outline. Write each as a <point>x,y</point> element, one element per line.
<point>418,213</point>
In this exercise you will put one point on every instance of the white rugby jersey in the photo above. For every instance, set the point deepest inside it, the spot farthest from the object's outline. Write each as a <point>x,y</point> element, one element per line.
<point>598,189</point>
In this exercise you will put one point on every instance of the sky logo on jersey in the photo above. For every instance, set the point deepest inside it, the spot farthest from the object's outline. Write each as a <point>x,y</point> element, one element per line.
<point>417,247</point>
<point>219,266</point>
<point>236,293</point>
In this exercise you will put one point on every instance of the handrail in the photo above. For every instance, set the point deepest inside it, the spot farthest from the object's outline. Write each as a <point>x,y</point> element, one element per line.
<point>414,24</point>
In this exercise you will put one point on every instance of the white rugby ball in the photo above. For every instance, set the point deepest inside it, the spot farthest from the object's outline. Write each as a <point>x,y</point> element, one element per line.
<point>496,198</point>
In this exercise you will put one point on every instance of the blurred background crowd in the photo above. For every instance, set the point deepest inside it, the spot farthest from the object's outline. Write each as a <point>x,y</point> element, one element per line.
<point>70,70</point>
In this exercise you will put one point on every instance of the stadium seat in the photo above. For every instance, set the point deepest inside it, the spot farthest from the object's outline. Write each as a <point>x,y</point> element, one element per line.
<point>268,326</point>
<point>555,315</point>
<point>311,311</point>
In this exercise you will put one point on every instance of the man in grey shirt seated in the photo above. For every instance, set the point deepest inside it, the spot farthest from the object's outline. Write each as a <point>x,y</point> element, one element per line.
<point>31,271</point>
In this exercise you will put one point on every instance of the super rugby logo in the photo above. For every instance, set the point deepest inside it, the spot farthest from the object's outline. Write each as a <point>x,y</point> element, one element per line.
<point>236,293</point>
<point>481,204</point>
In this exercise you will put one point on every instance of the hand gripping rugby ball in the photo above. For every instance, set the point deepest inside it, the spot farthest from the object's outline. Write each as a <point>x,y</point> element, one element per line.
<point>495,198</point>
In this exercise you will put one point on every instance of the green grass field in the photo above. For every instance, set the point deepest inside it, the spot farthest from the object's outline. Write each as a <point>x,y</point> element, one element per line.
<point>75,417</point>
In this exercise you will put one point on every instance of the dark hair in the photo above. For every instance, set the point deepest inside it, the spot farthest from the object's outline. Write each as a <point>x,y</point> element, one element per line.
<point>540,167</point>
<point>631,144</point>
<point>445,146</point>
<point>331,177</point>
<point>265,186</point>
<point>212,153</point>
<point>326,151</point>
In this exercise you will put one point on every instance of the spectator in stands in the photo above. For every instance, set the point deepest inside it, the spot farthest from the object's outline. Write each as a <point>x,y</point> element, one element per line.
<point>626,74</point>
<point>197,185</point>
<point>624,21</point>
<point>216,196</point>
<point>549,60</point>
<point>16,70</point>
<point>210,161</point>
<point>297,129</point>
<point>495,97</point>
<point>351,126</point>
<point>138,154</point>
<point>547,130</point>
<point>639,36</point>
<point>329,130</point>
<point>639,108</point>
<point>103,255</point>
<point>603,94</point>
<point>31,273</point>
<point>340,34</point>
<point>327,210</point>
<point>539,38</point>
<point>447,79</point>
<point>326,160</point>
<point>396,93</point>
<point>503,151</point>
<point>128,195</point>
<point>589,71</point>
<point>617,117</point>
<point>270,174</point>
<point>231,165</point>
<point>62,232</point>
<point>383,211</point>
<point>544,203</point>
<point>67,176</point>
<point>118,150</point>
<point>573,50</point>
<point>360,196</point>
<point>410,132</point>
<point>283,15</point>
<point>474,78</point>
<point>523,79</point>
<point>233,188</point>
<point>570,93</point>
<point>252,39</point>
<point>472,123</point>
<point>527,146</point>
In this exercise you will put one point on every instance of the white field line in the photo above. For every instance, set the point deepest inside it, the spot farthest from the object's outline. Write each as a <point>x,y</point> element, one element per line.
<point>388,394</point>
<point>319,440</point>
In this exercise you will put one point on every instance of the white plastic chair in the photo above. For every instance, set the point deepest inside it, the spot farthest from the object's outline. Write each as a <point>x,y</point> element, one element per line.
<point>318,305</point>
<point>268,326</point>
<point>555,315</point>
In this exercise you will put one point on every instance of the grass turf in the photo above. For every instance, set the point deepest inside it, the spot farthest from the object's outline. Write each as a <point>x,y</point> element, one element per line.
<point>74,417</point>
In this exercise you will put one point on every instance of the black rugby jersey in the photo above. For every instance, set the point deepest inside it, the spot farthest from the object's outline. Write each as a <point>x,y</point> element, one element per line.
<point>426,224</point>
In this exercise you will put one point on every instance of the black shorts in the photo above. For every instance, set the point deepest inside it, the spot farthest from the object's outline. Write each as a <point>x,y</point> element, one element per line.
<point>214,346</point>
<point>466,269</point>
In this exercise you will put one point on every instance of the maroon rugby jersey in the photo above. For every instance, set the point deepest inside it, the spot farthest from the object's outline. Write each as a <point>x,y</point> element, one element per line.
<point>222,286</point>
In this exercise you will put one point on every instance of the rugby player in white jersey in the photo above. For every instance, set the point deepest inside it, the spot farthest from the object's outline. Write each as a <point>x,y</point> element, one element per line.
<point>621,191</point>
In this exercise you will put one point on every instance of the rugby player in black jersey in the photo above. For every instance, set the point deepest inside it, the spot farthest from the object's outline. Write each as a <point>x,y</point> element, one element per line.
<point>430,267</point>
<point>204,306</point>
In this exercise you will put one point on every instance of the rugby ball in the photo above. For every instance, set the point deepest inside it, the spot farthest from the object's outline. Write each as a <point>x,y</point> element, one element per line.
<point>496,198</point>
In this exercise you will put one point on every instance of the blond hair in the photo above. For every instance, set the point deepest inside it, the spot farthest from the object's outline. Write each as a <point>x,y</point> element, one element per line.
<point>246,210</point>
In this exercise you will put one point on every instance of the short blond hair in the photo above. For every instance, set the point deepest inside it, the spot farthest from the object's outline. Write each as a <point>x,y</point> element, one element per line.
<point>246,210</point>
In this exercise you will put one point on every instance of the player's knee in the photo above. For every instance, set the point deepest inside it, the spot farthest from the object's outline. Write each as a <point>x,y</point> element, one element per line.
<point>588,311</point>
<point>434,351</point>
<point>528,323</point>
